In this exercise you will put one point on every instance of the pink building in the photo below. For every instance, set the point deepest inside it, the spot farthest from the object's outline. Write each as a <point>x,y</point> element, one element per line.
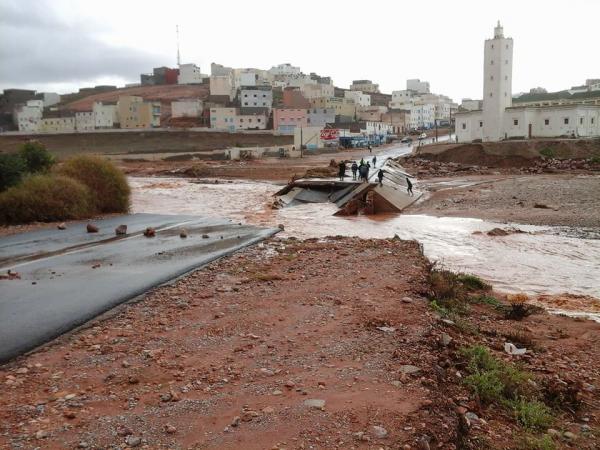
<point>285,120</point>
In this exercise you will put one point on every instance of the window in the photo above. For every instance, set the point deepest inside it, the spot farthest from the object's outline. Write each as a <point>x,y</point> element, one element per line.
<point>581,121</point>
<point>480,124</point>
<point>245,103</point>
<point>506,61</point>
<point>566,120</point>
<point>546,121</point>
<point>464,126</point>
<point>492,62</point>
<point>505,77</point>
<point>241,120</point>
<point>592,120</point>
<point>515,122</point>
<point>492,45</point>
<point>490,94</point>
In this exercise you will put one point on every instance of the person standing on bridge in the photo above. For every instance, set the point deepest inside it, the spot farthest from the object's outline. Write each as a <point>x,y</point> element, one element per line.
<point>370,148</point>
<point>380,176</point>
<point>409,187</point>
<point>354,170</point>
<point>342,170</point>
<point>374,161</point>
<point>368,166</point>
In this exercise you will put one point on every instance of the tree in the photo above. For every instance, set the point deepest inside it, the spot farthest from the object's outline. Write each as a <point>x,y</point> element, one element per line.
<point>36,157</point>
<point>12,168</point>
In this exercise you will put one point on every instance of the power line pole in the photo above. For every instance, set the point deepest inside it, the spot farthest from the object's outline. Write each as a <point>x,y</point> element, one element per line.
<point>178,57</point>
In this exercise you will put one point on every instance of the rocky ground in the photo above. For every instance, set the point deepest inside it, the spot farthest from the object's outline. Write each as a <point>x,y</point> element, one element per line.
<point>560,200</point>
<point>316,344</point>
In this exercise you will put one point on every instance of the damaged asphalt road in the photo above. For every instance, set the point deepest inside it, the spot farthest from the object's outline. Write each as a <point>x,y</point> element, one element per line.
<point>69,277</point>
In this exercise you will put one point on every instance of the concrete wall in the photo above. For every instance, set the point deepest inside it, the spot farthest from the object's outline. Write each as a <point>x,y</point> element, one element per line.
<point>222,85</point>
<point>186,108</point>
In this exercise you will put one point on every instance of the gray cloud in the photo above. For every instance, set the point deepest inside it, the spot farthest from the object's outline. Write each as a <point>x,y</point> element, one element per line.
<point>38,46</point>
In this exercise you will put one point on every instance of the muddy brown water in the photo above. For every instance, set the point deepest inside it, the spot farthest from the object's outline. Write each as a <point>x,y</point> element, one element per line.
<point>543,260</point>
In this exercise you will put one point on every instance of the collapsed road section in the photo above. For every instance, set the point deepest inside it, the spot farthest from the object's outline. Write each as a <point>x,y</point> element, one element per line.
<point>63,278</point>
<point>372,196</point>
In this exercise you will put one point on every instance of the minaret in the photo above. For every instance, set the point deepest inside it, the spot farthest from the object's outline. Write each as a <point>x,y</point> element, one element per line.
<point>497,83</point>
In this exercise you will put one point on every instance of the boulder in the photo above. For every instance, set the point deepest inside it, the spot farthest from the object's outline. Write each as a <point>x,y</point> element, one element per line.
<point>91,228</point>
<point>149,232</point>
<point>121,230</point>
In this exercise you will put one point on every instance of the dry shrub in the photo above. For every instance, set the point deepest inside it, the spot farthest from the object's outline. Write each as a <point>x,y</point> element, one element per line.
<point>518,307</point>
<point>519,336</point>
<point>45,198</point>
<point>107,184</point>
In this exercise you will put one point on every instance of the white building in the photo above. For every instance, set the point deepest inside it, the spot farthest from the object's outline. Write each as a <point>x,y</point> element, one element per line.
<point>27,117</point>
<point>256,98</point>
<point>186,108</point>
<point>222,85</point>
<point>105,115</point>
<point>51,98</point>
<point>360,99</point>
<point>250,77</point>
<point>500,120</point>
<point>284,69</point>
<point>422,116</point>
<point>84,121</point>
<point>422,87</point>
<point>251,122</point>
<point>402,99</point>
<point>189,74</point>
<point>471,105</point>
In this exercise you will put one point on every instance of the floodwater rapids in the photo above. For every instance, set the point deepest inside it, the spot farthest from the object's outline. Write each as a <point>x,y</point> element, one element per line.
<point>541,261</point>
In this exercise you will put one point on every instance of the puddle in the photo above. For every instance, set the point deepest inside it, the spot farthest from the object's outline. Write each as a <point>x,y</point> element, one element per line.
<point>544,260</point>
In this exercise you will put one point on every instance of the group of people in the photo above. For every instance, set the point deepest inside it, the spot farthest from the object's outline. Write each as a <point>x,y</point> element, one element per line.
<point>361,170</point>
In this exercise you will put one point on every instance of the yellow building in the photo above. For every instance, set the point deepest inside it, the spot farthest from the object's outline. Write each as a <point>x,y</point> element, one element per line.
<point>57,122</point>
<point>343,106</point>
<point>134,112</point>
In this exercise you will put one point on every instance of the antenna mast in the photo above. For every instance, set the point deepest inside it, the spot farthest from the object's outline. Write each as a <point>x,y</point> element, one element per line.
<point>178,57</point>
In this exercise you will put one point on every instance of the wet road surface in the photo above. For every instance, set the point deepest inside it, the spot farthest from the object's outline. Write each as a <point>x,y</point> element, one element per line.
<point>71,276</point>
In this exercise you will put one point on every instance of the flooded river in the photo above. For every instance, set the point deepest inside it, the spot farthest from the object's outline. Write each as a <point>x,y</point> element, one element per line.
<point>543,260</point>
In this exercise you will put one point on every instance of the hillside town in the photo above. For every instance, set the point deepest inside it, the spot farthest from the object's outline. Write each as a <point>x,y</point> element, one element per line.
<point>282,99</point>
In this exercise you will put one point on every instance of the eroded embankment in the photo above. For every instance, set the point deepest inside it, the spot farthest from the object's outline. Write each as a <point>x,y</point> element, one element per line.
<point>510,153</point>
<point>329,343</point>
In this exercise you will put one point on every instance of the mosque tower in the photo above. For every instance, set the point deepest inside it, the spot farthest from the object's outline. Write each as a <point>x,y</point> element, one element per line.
<point>497,83</point>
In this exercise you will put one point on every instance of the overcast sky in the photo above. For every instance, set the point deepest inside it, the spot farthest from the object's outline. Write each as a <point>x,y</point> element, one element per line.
<point>61,45</point>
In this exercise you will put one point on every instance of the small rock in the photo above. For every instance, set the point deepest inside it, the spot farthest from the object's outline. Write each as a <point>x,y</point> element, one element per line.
<point>22,370</point>
<point>386,329</point>
<point>315,403</point>
<point>408,369</point>
<point>91,228</point>
<point>407,300</point>
<point>149,232</point>
<point>41,434</point>
<point>62,226</point>
<point>170,429</point>
<point>205,236</point>
<point>236,421</point>
<point>277,392</point>
<point>183,233</point>
<point>281,227</point>
<point>133,441</point>
<point>445,339</point>
<point>121,230</point>
<point>585,428</point>
<point>379,432</point>
<point>83,444</point>
<point>268,410</point>
<point>166,397</point>
<point>69,414</point>
<point>290,384</point>
<point>570,436</point>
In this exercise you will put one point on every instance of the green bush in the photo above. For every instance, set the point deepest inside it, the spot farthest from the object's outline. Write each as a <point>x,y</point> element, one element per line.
<point>107,184</point>
<point>544,442</point>
<point>12,169</point>
<point>532,415</point>
<point>493,379</point>
<point>36,157</point>
<point>473,283</point>
<point>548,152</point>
<point>45,198</point>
